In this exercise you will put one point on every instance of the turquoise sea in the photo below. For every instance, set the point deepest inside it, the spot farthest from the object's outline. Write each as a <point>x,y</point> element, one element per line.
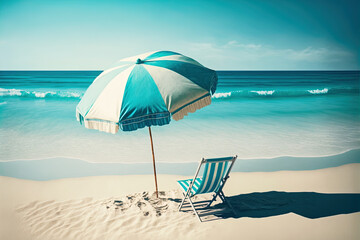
<point>261,116</point>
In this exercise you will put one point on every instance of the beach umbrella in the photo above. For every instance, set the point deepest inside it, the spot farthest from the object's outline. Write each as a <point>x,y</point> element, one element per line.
<point>146,90</point>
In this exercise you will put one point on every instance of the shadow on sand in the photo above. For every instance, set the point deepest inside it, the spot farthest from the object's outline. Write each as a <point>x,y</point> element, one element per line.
<point>266,204</point>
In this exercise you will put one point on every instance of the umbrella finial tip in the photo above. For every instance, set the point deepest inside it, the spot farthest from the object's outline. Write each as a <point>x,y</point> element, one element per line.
<point>138,61</point>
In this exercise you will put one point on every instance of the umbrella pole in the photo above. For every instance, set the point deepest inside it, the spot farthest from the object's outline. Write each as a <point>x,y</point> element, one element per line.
<point>153,155</point>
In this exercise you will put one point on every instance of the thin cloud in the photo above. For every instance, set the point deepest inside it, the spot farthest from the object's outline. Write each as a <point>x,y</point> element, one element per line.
<point>258,56</point>
<point>236,44</point>
<point>317,54</point>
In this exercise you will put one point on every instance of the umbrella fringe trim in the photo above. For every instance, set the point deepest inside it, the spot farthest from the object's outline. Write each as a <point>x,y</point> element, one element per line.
<point>98,124</point>
<point>157,119</point>
<point>154,119</point>
<point>103,126</point>
<point>192,107</point>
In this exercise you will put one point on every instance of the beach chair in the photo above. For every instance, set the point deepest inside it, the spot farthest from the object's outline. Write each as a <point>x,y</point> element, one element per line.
<point>216,172</point>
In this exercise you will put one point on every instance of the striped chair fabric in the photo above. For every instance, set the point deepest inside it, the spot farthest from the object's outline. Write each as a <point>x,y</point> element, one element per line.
<point>214,171</point>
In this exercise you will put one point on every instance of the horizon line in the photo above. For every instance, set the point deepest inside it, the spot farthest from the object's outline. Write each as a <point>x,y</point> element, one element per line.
<point>241,70</point>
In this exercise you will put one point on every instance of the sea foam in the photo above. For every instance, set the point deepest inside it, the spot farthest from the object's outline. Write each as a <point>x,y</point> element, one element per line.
<point>283,93</point>
<point>264,93</point>
<point>39,94</point>
<point>222,95</point>
<point>318,91</point>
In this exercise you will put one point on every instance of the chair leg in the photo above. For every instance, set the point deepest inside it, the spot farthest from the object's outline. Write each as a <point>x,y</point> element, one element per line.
<point>193,207</point>
<point>212,200</point>
<point>222,196</point>
<point>182,202</point>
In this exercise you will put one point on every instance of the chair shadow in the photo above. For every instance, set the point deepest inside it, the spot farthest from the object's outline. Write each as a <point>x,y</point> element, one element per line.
<point>266,204</point>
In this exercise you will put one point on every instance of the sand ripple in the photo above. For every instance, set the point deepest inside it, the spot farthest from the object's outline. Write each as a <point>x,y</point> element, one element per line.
<point>136,216</point>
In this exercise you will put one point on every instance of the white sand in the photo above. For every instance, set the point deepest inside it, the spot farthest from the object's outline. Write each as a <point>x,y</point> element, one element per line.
<point>123,207</point>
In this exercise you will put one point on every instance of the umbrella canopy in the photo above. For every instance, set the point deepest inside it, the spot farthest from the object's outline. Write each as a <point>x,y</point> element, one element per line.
<point>146,90</point>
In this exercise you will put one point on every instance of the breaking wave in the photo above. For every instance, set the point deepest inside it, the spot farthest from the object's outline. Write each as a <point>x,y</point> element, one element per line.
<point>63,94</point>
<point>282,93</point>
<point>318,91</point>
<point>39,94</point>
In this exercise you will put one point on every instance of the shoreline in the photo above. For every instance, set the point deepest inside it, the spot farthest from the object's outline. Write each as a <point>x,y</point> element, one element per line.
<point>59,168</point>
<point>253,158</point>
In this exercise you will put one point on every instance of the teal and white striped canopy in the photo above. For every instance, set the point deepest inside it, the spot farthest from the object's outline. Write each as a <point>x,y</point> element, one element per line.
<point>146,90</point>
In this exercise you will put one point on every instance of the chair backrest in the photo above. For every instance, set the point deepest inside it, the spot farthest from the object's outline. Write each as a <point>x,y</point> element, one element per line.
<point>215,171</point>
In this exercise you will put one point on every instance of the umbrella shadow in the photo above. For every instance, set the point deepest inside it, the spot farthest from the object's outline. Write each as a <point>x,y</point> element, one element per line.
<point>311,205</point>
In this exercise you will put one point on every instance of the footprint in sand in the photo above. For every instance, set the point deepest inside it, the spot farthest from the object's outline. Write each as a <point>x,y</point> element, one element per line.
<point>118,203</point>
<point>158,213</point>
<point>161,208</point>
<point>145,196</point>
<point>140,204</point>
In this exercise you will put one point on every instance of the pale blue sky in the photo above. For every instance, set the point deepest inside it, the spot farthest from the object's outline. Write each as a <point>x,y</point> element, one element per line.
<point>223,35</point>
